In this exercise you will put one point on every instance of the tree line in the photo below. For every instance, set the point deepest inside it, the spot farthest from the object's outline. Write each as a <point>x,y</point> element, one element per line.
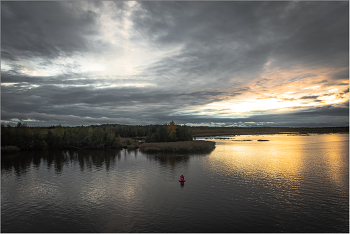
<point>94,136</point>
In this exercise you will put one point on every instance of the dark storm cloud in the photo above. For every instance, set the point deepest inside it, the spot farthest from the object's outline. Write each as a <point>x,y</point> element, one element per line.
<point>171,23</point>
<point>319,34</point>
<point>43,119</point>
<point>91,90</point>
<point>219,47</point>
<point>117,102</point>
<point>44,29</point>
<point>131,98</point>
<point>66,79</point>
<point>233,37</point>
<point>221,41</point>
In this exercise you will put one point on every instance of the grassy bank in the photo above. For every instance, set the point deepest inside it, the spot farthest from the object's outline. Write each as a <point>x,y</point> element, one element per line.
<point>181,146</point>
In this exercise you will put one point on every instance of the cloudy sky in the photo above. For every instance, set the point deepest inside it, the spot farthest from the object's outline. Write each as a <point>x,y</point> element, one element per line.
<point>197,63</point>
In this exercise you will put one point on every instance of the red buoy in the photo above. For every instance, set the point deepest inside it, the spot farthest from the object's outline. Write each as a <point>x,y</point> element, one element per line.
<point>182,179</point>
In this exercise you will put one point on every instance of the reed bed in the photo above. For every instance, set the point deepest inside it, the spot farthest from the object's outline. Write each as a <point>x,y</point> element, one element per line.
<point>180,146</point>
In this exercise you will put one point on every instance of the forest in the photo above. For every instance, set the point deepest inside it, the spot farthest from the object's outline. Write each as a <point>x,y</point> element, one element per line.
<point>23,137</point>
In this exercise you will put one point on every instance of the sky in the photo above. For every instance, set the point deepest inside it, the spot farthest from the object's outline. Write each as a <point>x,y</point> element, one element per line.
<point>203,63</point>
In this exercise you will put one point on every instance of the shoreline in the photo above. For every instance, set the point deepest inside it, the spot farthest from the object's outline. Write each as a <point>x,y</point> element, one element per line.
<point>269,132</point>
<point>23,138</point>
<point>178,146</point>
<point>257,134</point>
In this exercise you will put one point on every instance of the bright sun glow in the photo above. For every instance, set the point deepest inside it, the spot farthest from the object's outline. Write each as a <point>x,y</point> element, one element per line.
<point>247,105</point>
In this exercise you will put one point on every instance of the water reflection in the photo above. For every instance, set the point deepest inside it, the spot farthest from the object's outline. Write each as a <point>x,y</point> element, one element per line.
<point>334,151</point>
<point>182,184</point>
<point>282,158</point>
<point>171,159</point>
<point>86,159</point>
<point>21,161</point>
<point>285,171</point>
<point>286,184</point>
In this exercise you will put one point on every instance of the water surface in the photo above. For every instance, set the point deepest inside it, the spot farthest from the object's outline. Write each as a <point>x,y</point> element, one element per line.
<point>287,184</point>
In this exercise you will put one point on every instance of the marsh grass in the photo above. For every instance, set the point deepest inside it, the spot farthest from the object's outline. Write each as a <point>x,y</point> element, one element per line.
<point>180,146</point>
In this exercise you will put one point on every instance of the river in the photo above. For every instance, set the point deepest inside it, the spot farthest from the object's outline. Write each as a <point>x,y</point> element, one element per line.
<point>287,183</point>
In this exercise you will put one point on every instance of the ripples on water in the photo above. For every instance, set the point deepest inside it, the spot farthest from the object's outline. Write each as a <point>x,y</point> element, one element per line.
<point>286,184</point>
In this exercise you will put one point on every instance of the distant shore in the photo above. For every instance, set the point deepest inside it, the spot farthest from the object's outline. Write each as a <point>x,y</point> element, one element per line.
<point>266,130</point>
<point>165,138</point>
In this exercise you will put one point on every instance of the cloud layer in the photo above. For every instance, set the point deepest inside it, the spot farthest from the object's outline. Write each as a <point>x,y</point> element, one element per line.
<point>199,63</point>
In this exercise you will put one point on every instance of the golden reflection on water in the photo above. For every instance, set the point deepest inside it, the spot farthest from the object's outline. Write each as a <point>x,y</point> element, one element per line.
<point>284,159</point>
<point>334,149</point>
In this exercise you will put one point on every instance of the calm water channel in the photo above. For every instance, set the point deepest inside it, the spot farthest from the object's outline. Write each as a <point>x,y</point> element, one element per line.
<point>286,184</point>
